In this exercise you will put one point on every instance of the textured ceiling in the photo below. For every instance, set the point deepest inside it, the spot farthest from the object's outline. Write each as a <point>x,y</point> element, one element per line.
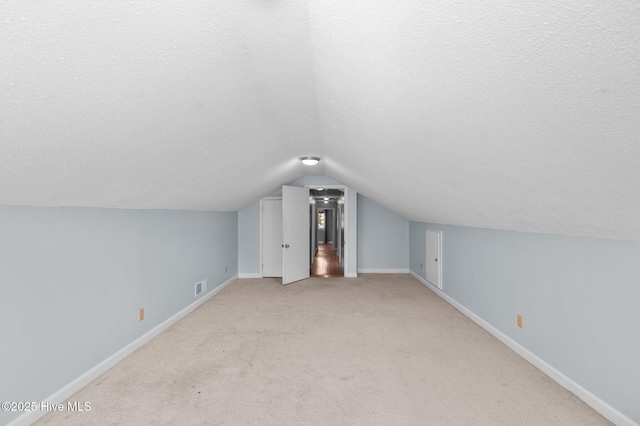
<point>491,114</point>
<point>145,104</point>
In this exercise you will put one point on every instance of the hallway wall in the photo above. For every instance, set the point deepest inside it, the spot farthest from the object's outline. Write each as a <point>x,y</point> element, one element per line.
<point>329,231</point>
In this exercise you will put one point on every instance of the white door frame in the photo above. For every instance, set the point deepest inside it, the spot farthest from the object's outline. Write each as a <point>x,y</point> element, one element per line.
<point>313,232</point>
<point>343,188</point>
<point>339,218</point>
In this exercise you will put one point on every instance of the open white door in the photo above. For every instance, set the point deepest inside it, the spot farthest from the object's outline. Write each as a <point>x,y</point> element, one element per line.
<point>295,234</point>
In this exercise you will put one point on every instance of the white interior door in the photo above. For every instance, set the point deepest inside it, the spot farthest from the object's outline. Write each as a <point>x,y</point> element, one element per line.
<point>434,258</point>
<point>271,238</point>
<point>339,233</point>
<point>295,234</point>
<point>313,233</point>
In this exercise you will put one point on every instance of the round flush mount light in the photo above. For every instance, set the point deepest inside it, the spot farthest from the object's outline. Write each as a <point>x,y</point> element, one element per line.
<point>310,161</point>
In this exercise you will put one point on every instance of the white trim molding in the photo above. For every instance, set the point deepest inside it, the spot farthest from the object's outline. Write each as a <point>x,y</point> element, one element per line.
<point>592,400</point>
<point>67,391</point>
<point>382,271</point>
<point>244,276</point>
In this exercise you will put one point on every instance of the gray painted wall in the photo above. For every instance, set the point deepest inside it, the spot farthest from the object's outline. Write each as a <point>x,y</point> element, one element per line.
<point>73,279</point>
<point>579,298</point>
<point>249,239</point>
<point>383,237</point>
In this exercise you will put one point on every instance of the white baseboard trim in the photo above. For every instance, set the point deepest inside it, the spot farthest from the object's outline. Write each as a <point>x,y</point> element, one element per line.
<point>67,391</point>
<point>249,276</point>
<point>351,275</point>
<point>592,400</point>
<point>383,271</point>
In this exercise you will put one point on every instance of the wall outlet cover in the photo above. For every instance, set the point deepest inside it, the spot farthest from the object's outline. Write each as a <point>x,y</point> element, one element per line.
<point>520,320</point>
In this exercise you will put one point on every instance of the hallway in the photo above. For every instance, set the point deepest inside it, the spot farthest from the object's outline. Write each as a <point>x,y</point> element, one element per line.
<point>326,263</point>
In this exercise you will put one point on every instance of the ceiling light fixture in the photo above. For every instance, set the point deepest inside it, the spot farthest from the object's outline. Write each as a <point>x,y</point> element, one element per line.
<point>326,198</point>
<point>309,160</point>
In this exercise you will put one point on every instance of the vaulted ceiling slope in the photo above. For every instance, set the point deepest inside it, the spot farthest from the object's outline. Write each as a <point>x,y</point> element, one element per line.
<point>146,104</point>
<point>491,114</point>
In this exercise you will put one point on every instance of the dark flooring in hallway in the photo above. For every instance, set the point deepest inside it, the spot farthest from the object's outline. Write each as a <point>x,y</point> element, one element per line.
<point>326,263</point>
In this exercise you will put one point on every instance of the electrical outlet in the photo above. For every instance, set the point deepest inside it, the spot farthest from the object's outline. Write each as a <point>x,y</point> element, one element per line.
<point>520,320</point>
<point>140,314</point>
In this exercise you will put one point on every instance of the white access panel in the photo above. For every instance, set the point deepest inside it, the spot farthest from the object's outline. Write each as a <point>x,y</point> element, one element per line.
<point>271,238</point>
<point>433,264</point>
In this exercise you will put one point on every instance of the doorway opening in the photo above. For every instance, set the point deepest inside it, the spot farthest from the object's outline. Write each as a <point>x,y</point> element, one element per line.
<point>284,249</point>
<point>327,232</point>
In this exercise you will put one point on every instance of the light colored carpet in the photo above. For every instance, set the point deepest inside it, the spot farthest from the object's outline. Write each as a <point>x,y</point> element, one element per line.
<point>378,349</point>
